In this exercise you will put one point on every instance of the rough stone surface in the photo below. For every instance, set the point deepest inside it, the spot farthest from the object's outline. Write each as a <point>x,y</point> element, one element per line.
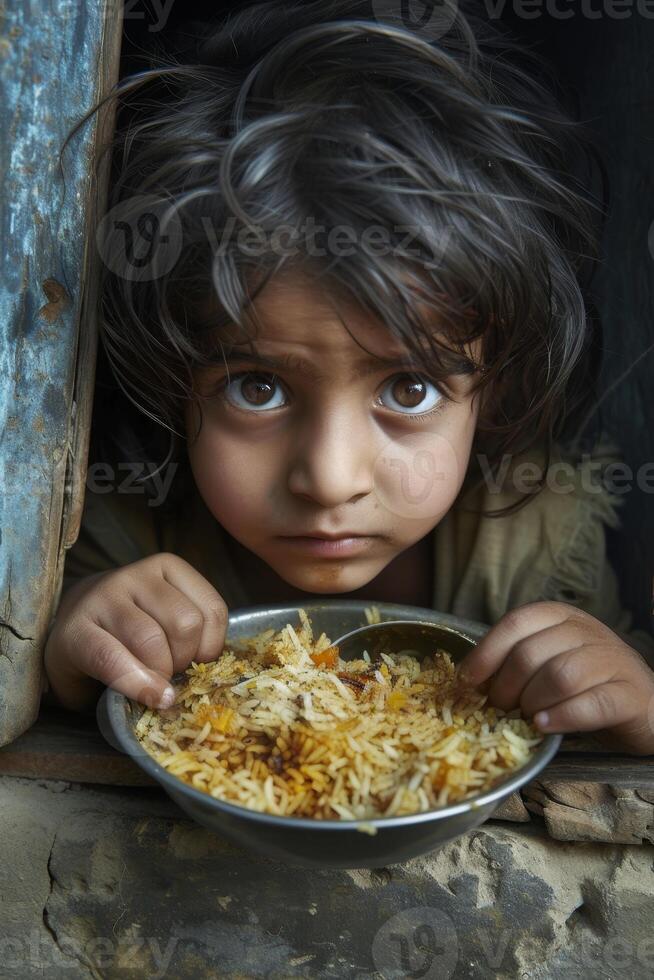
<point>592,812</point>
<point>108,883</point>
<point>512,809</point>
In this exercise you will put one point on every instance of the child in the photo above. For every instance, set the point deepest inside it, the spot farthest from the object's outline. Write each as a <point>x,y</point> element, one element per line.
<point>365,295</point>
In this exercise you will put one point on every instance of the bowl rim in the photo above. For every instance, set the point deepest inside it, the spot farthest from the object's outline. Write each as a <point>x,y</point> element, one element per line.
<point>112,713</point>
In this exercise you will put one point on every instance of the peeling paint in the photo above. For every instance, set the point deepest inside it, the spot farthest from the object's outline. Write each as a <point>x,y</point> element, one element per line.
<point>58,300</point>
<point>49,64</point>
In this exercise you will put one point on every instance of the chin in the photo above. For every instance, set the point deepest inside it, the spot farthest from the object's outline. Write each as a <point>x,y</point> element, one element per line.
<point>329,578</point>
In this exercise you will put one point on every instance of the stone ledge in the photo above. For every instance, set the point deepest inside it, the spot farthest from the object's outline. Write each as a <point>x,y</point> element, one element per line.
<point>111,882</point>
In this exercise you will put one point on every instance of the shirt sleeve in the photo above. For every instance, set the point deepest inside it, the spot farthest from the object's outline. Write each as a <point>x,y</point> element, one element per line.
<point>552,549</point>
<point>582,573</point>
<point>584,576</point>
<point>115,530</point>
<point>119,528</point>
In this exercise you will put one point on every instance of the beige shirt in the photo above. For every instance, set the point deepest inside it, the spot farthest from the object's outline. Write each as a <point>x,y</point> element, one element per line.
<point>552,549</point>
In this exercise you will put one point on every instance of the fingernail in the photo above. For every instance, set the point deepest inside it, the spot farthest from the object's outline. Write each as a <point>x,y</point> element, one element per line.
<point>542,719</point>
<point>167,698</point>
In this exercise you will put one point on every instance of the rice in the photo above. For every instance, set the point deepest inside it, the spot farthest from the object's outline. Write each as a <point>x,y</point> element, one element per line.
<point>282,725</point>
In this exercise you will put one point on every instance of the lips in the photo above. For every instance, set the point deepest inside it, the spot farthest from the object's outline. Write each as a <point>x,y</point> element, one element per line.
<point>321,545</point>
<point>327,536</point>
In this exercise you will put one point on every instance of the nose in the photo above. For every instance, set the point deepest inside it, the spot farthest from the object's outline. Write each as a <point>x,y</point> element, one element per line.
<point>333,461</point>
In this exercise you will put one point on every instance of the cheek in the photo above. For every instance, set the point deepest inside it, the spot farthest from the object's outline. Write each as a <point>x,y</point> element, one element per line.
<point>418,475</point>
<point>236,477</point>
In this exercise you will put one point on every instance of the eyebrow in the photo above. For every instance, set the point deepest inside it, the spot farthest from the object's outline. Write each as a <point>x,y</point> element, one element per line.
<point>366,365</point>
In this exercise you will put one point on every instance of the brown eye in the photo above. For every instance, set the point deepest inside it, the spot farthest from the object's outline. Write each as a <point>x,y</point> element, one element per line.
<point>256,392</point>
<point>410,394</point>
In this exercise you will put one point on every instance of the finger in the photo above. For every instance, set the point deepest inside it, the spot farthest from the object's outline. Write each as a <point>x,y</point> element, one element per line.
<point>178,619</point>
<point>493,649</point>
<point>140,633</point>
<point>528,657</point>
<point>603,706</point>
<point>106,659</point>
<point>566,676</point>
<point>191,612</point>
<point>209,601</point>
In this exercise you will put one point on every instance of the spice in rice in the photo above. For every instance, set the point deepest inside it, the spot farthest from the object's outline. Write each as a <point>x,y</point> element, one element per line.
<point>282,725</point>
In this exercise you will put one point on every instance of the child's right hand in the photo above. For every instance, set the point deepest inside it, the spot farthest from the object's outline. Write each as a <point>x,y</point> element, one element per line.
<point>131,629</point>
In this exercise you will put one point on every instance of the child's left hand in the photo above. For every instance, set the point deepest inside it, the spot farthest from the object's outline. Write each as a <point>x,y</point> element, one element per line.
<point>567,670</point>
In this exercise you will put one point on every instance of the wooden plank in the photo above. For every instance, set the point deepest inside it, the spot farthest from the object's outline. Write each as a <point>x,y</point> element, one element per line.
<point>628,771</point>
<point>71,747</point>
<point>54,70</point>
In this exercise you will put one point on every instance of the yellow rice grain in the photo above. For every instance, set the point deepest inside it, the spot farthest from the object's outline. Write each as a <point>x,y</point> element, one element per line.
<point>266,728</point>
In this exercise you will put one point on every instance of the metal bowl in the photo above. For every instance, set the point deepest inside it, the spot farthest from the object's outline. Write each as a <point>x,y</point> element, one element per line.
<point>327,843</point>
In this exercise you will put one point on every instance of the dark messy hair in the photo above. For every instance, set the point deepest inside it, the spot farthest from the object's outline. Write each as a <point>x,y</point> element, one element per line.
<point>287,113</point>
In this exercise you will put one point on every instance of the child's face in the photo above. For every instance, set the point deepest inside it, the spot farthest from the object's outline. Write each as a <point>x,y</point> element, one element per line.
<point>314,440</point>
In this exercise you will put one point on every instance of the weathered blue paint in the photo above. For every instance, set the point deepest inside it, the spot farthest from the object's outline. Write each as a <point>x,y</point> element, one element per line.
<point>50,55</point>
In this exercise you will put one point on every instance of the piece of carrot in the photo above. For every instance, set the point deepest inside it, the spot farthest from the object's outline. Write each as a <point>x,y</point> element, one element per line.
<point>326,658</point>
